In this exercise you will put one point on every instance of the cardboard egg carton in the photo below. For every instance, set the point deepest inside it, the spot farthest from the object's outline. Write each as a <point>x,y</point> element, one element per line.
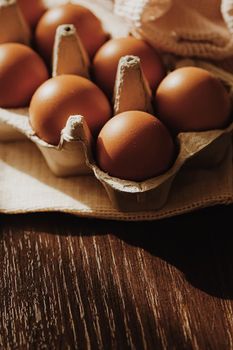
<point>73,155</point>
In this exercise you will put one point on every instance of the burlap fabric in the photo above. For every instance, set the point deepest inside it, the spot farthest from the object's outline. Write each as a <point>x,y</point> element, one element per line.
<point>201,28</point>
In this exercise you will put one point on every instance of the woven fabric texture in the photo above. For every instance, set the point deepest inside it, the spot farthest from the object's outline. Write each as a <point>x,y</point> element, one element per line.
<point>27,185</point>
<point>200,28</point>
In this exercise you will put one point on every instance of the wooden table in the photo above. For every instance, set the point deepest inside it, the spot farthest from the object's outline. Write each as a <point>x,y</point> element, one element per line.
<point>71,283</point>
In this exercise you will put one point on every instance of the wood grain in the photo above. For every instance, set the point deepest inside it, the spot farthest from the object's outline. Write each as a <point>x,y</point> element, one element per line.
<point>70,283</point>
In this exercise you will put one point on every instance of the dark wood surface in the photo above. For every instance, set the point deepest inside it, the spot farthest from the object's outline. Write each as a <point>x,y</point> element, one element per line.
<point>71,283</point>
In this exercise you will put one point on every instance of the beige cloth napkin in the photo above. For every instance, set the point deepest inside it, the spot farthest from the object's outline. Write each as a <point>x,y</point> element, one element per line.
<point>202,28</point>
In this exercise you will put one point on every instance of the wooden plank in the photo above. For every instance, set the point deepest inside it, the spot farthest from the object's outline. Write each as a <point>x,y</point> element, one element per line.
<point>70,283</point>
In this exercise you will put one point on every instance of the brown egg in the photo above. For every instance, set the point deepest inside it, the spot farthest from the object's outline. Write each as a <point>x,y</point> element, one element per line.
<point>21,72</point>
<point>107,57</point>
<point>88,27</point>
<point>192,99</point>
<point>135,146</point>
<point>66,95</point>
<point>32,10</point>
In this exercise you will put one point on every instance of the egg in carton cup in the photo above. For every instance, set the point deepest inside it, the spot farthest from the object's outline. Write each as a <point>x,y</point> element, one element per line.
<point>74,153</point>
<point>217,141</point>
<point>69,156</point>
<point>13,28</point>
<point>194,149</point>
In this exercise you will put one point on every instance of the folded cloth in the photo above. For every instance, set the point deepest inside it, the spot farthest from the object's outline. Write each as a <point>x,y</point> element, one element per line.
<point>197,28</point>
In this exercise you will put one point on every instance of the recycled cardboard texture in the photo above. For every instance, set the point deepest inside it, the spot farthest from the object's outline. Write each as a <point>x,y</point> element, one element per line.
<point>69,55</point>
<point>130,74</point>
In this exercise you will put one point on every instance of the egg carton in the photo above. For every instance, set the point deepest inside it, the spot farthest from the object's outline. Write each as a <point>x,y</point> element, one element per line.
<point>73,155</point>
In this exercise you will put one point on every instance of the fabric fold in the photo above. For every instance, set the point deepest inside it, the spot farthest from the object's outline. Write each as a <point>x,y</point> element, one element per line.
<point>194,28</point>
